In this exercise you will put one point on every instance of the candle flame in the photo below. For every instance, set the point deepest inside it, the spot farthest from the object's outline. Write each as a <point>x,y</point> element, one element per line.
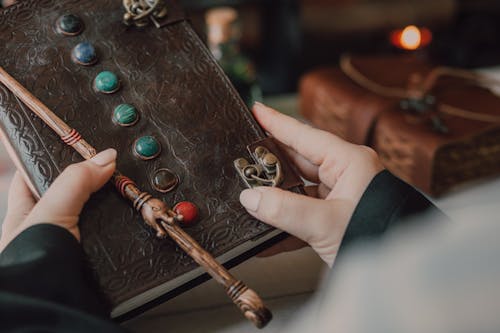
<point>411,38</point>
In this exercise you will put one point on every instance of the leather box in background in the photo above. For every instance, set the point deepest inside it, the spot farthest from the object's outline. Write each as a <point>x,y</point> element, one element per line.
<point>434,150</point>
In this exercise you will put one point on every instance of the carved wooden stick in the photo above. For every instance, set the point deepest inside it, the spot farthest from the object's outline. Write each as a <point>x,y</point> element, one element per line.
<point>154,211</point>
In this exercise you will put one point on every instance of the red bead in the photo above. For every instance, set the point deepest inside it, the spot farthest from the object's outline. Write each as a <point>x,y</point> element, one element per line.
<point>188,210</point>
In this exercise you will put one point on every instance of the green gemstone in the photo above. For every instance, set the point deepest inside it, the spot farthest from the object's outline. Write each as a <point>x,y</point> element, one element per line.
<point>106,82</point>
<point>147,147</point>
<point>125,114</point>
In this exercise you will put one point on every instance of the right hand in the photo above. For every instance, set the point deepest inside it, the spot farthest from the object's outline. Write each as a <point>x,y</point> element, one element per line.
<point>341,170</point>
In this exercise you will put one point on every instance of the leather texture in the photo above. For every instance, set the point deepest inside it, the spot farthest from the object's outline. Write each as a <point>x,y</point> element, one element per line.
<point>184,100</point>
<point>408,145</point>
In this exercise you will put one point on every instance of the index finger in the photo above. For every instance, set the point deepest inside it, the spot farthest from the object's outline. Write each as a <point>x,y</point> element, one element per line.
<point>311,143</point>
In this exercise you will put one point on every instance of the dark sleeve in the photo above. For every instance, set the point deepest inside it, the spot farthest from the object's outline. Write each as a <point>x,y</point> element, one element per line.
<point>388,201</point>
<point>42,277</point>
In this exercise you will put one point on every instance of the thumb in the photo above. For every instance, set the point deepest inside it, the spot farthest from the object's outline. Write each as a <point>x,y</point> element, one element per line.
<point>321,223</point>
<point>296,214</point>
<point>64,200</point>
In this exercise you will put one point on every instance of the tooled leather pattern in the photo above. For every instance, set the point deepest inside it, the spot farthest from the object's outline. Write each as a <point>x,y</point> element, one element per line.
<point>183,99</point>
<point>397,153</point>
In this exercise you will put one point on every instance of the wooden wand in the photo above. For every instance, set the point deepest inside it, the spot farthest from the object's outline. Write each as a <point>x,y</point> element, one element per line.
<point>154,211</point>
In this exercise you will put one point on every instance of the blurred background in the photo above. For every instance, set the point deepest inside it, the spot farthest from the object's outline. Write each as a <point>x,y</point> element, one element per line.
<point>286,38</point>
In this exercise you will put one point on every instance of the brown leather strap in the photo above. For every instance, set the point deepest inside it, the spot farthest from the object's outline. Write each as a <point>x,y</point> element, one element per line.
<point>364,117</point>
<point>175,14</point>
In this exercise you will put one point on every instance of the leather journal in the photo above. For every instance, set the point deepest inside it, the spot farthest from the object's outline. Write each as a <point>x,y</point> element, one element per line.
<point>152,91</point>
<point>432,126</point>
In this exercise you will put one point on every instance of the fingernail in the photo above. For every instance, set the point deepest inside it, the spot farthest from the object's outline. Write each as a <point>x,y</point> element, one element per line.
<point>259,105</point>
<point>104,157</point>
<point>250,199</point>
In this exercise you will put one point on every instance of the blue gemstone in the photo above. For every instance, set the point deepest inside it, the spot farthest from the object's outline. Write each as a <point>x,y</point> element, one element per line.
<point>84,54</point>
<point>70,25</point>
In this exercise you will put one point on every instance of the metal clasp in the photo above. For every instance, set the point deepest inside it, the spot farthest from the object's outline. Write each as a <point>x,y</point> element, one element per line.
<point>140,12</point>
<point>267,171</point>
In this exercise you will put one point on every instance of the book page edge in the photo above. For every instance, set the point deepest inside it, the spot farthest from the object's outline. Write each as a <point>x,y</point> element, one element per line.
<point>153,293</point>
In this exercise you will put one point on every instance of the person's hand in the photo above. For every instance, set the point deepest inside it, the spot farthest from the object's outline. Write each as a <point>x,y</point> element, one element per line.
<point>341,170</point>
<point>62,202</point>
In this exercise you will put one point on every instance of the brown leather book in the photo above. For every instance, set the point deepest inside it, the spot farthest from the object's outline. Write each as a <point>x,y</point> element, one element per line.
<point>435,147</point>
<point>172,115</point>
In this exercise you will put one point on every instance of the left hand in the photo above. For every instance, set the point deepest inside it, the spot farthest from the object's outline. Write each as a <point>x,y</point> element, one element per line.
<point>62,203</point>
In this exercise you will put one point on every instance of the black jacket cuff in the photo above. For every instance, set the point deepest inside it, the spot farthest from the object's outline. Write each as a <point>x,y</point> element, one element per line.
<point>38,241</point>
<point>387,201</point>
<point>46,262</point>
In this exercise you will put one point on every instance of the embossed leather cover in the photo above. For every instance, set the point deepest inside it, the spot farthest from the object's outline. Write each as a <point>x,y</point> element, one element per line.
<point>408,146</point>
<point>184,100</point>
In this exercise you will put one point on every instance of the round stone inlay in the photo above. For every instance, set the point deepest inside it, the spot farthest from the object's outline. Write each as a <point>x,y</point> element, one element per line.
<point>147,147</point>
<point>125,115</point>
<point>164,180</point>
<point>189,212</point>
<point>69,25</point>
<point>106,82</point>
<point>84,54</point>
